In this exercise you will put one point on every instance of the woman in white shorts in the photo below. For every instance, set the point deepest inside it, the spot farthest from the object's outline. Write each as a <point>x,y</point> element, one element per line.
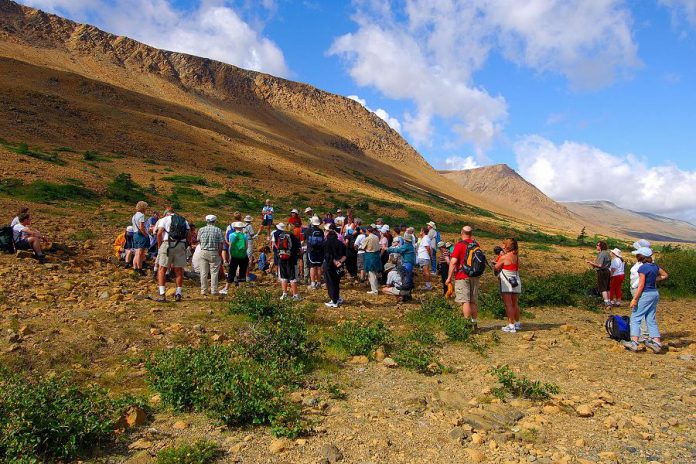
<point>507,266</point>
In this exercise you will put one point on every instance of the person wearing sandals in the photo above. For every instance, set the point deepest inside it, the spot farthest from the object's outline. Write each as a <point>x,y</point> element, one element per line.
<point>141,240</point>
<point>602,264</point>
<point>507,267</point>
<point>617,269</point>
<point>644,302</point>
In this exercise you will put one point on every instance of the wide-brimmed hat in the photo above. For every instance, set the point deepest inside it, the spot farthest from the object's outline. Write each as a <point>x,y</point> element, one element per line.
<point>441,244</point>
<point>130,229</point>
<point>642,243</point>
<point>617,252</point>
<point>431,224</point>
<point>294,211</point>
<point>389,266</point>
<point>280,226</point>
<point>339,210</point>
<point>448,244</point>
<point>408,237</point>
<point>238,225</point>
<point>211,218</point>
<point>316,221</point>
<point>248,219</point>
<point>643,251</point>
<point>308,210</point>
<point>384,229</point>
<point>467,229</point>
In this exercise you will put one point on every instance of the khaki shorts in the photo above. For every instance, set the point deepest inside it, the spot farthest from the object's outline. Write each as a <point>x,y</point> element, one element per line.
<point>174,256</point>
<point>466,290</point>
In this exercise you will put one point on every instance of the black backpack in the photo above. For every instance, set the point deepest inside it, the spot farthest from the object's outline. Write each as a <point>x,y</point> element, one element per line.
<point>474,260</point>
<point>618,328</point>
<point>178,229</point>
<point>406,279</point>
<point>7,240</point>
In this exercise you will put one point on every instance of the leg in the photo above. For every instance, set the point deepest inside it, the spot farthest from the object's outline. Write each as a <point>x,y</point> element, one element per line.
<point>650,316</point>
<point>179,275</point>
<point>509,308</point>
<point>374,283</point>
<point>214,274</point>
<point>293,287</point>
<point>232,271</point>
<point>243,266</point>
<point>516,306</point>
<point>205,269</point>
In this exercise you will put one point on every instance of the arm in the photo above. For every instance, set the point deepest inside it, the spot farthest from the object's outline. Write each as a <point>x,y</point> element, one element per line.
<point>639,290</point>
<point>663,275</point>
<point>499,263</point>
<point>160,236</point>
<point>452,268</point>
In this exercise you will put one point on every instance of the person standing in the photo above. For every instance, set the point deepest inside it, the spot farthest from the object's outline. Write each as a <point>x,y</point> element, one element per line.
<point>250,236</point>
<point>508,268</point>
<point>406,253</point>
<point>360,258</point>
<point>635,280</point>
<point>602,264</point>
<point>267,217</point>
<point>371,259</point>
<point>295,218</point>
<point>315,252</point>
<point>288,246</point>
<point>434,237</point>
<point>239,259</point>
<point>443,261</point>
<point>210,240</point>
<point>334,257</point>
<point>172,235</point>
<point>466,288</point>
<point>618,272</point>
<point>644,302</point>
<point>141,240</point>
<point>424,256</point>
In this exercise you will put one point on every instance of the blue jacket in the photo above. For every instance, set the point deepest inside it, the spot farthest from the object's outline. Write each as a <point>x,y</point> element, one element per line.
<point>407,252</point>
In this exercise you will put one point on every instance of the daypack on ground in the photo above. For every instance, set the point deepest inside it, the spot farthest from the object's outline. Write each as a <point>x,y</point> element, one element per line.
<point>238,245</point>
<point>6,240</point>
<point>618,327</point>
<point>284,246</point>
<point>178,230</point>
<point>474,260</point>
<point>406,279</point>
<point>315,239</point>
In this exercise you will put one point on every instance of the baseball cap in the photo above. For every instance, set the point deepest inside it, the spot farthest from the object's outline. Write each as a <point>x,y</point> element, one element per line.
<point>210,218</point>
<point>642,243</point>
<point>280,226</point>
<point>643,251</point>
<point>308,210</point>
<point>294,211</point>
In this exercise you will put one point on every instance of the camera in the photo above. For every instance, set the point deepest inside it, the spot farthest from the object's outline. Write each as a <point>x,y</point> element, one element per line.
<point>497,250</point>
<point>513,281</point>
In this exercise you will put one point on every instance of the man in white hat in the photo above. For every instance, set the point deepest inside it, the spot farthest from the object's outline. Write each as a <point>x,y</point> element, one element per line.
<point>340,217</point>
<point>617,272</point>
<point>210,240</point>
<point>250,235</point>
<point>315,252</point>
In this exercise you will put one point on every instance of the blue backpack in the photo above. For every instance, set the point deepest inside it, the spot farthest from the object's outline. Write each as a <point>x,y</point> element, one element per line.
<point>315,239</point>
<point>618,328</point>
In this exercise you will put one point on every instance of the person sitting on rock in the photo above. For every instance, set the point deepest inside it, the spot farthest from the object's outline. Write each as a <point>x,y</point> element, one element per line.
<point>26,238</point>
<point>22,210</point>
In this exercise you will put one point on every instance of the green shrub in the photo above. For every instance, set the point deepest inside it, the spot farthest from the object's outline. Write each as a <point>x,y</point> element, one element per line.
<point>183,179</point>
<point>41,191</point>
<point>416,356</point>
<point>257,304</point>
<point>521,387</point>
<point>490,302</point>
<point>50,419</point>
<point>436,312</point>
<point>200,452</point>
<point>123,188</point>
<point>95,156</point>
<point>362,337</point>
<point>23,149</point>
<point>559,289</point>
<point>213,379</point>
<point>679,264</point>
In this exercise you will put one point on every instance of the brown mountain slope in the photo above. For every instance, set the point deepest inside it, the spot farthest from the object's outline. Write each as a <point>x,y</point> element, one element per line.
<point>634,224</point>
<point>67,84</point>
<point>501,185</point>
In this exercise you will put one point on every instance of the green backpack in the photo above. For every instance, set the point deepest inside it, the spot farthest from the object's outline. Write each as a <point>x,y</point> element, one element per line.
<point>238,245</point>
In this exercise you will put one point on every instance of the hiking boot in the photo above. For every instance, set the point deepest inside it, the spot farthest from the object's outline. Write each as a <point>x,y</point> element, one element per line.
<point>283,296</point>
<point>161,299</point>
<point>631,345</point>
<point>296,298</point>
<point>223,291</point>
<point>372,292</point>
<point>510,328</point>
<point>653,345</point>
<point>41,259</point>
<point>178,297</point>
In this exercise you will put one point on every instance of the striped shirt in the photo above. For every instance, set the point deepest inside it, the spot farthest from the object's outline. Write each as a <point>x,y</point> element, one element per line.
<point>210,237</point>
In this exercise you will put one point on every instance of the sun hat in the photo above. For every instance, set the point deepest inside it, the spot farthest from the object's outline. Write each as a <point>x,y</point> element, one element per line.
<point>642,243</point>
<point>308,210</point>
<point>210,218</point>
<point>389,266</point>
<point>643,251</point>
<point>617,252</point>
<point>130,229</point>
<point>408,237</point>
<point>280,226</point>
<point>294,211</point>
<point>384,229</point>
<point>238,225</point>
<point>441,244</point>
<point>467,229</point>
<point>248,219</point>
<point>339,210</point>
<point>448,244</point>
<point>316,221</point>
<point>431,224</point>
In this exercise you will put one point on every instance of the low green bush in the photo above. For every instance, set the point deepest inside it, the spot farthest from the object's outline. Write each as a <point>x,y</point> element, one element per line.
<point>257,304</point>
<point>124,188</point>
<point>215,380</point>
<point>183,179</point>
<point>41,191</point>
<point>200,452</point>
<point>361,337</point>
<point>437,312</point>
<point>52,418</point>
<point>408,352</point>
<point>95,156</point>
<point>559,289</point>
<point>23,149</point>
<point>679,263</point>
<point>491,303</point>
<point>520,387</point>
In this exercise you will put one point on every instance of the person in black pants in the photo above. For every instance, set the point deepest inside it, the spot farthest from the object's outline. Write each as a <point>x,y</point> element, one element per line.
<point>334,257</point>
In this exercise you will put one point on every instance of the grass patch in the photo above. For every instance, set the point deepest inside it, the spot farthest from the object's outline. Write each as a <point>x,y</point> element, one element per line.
<point>182,179</point>
<point>257,304</point>
<point>41,191</point>
<point>200,452</point>
<point>124,188</point>
<point>679,263</point>
<point>96,157</point>
<point>23,149</point>
<point>521,387</point>
<point>82,235</point>
<point>362,337</point>
<point>436,312</point>
<point>53,419</point>
<point>416,353</point>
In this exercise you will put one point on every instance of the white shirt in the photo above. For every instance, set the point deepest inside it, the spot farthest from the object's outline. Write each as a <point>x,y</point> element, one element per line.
<point>15,221</point>
<point>358,241</point>
<point>635,278</point>
<point>617,267</point>
<point>423,253</point>
<point>341,219</point>
<point>165,223</point>
<point>196,259</point>
<point>17,230</point>
<point>137,219</point>
<point>393,278</point>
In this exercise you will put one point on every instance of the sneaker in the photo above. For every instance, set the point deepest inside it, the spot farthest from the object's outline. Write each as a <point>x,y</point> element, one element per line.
<point>296,298</point>
<point>203,292</point>
<point>41,259</point>
<point>178,297</point>
<point>653,345</point>
<point>340,301</point>
<point>330,304</point>
<point>518,326</point>
<point>223,291</point>
<point>283,296</point>
<point>161,299</point>
<point>631,345</point>
<point>510,328</point>
<point>372,292</point>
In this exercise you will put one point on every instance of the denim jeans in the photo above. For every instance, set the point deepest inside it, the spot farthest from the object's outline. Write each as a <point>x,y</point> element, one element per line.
<point>646,308</point>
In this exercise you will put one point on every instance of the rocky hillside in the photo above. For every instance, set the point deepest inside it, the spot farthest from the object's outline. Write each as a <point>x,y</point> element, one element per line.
<point>632,223</point>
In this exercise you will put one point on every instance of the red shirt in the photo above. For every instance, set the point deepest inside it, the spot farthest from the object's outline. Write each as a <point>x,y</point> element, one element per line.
<point>295,220</point>
<point>459,253</point>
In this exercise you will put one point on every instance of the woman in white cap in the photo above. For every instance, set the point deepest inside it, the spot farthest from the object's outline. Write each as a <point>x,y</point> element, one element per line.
<point>239,260</point>
<point>617,269</point>
<point>634,280</point>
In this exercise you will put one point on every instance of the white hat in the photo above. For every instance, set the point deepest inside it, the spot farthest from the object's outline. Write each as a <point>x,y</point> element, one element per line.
<point>248,219</point>
<point>210,218</point>
<point>329,226</point>
<point>384,229</point>
<point>642,243</point>
<point>339,210</point>
<point>308,210</point>
<point>431,224</point>
<point>643,251</point>
<point>408,237</point>
<point>316,221</point>
<point>617,252</point>
<point>238,225</point>
<point>294,211</point>
<point>130,229</point>
<point>280,226</point>
<point>467,229</point>
<point>389,266</point>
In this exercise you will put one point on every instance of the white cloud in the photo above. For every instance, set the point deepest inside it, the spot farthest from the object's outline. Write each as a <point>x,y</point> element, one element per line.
<point>681,10</point>
<point>574,171</point>
<point>457,163</point>
<point>211,29</point>
<point>428,53</point>
<point>393,122</point>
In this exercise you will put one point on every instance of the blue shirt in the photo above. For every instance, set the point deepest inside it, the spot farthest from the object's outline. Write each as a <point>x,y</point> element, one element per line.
<point>651,271</point>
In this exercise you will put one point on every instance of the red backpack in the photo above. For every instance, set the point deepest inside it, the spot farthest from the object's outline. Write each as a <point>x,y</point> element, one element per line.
<point>284,246</point>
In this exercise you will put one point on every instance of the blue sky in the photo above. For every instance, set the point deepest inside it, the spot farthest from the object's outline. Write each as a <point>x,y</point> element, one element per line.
<point>583,98</point>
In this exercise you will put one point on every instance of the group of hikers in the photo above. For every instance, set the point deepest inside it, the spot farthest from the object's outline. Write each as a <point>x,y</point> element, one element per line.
<point>320,251</point>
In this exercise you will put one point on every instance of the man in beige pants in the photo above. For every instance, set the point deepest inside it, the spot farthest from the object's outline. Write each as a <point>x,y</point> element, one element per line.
<point>210,238</point>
